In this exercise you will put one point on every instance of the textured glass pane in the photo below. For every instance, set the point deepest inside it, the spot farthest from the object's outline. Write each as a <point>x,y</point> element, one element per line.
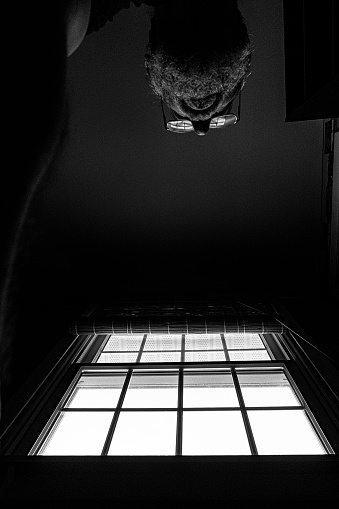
<point>267,389</point>
<point>144,433</point>
<point>209,390</point>
<point>214,433</point>
<point>161,357</point>
<point>111,358</point>
<point>203,342</point>
<point>94,398</point>
<point>77,434</point>
<point>203,356</point>
<point>284,432</point>
<point>161,342</point>
<point>123,343</point>
<point>240,341</point>
<point>152,391</point>
<point>248,355</point>
<point>96,392</point>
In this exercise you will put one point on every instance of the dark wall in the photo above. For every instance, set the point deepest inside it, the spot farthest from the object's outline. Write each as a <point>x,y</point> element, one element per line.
<point>132,209</point>
<point>188,482</point>
<point>311,59</point>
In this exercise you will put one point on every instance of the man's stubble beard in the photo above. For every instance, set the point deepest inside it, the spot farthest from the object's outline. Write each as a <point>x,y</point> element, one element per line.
<point>198,76</point>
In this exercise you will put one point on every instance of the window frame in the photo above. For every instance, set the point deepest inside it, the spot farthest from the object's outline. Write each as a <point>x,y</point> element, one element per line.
<point>280,343</point>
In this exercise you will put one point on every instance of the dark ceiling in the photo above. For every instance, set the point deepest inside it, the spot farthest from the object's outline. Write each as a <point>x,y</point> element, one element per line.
<point>134,210</point>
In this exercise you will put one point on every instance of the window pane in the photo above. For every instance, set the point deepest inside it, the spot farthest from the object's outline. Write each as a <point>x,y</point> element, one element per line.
<point>144,433</point>
<point>117,357</point>
<point>159,390</point>
<point>214,433</point>
<point>284,432</point>
<point>249,355</point>
<point>162,342</point>
<point>209,390</point>
<point>96,392</point>
<point>123,343</point>
<point>267,389</point>
<point>161,357</point>
<point>77,434</point>
<point>203,356</point>
<point>241,341</point>
<point>203,342</point>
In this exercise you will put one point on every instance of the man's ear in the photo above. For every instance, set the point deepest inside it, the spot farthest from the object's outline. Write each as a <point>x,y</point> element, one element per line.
<point>147,63</point>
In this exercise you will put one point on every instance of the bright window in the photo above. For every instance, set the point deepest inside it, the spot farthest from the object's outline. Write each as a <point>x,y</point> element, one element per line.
<point>194,394</point>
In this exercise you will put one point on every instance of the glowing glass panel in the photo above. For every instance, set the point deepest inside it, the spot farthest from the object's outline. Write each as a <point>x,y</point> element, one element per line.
<point>161,357</point>
<point>203,356</point>
<point>161,342</point>
<point>96,392</point>
<point>249,355</point>
<point>203,342</point>
<point>267,389</point>
<point>152,391</point>
<point>112,358</point>
<point>77,434</point>
<point>284,432</point>
<point>209,390</point>
<point>239,341</point>
<point>123,343</point>
<point>144,433</point>
<point>214,433</point>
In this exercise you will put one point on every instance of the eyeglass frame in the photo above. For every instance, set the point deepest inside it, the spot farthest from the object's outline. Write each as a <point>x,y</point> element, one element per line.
<point>216,116</point>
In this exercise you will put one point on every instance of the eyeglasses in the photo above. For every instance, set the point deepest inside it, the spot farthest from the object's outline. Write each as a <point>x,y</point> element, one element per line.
<point>186,126</point>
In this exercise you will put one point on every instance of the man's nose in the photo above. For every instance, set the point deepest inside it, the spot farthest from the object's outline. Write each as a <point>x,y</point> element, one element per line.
<point>201,127</point>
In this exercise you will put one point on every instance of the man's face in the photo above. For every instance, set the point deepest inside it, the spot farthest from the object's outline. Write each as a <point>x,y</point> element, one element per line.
<point>198,91</point>
<point>199,58</point>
